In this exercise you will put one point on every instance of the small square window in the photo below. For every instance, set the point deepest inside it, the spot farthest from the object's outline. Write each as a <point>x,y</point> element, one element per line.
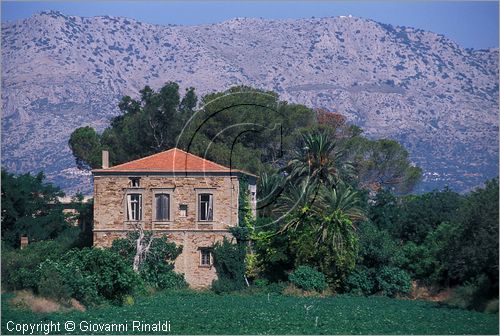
<point>183,208</point>
<point>205,257</point>
<point>135,182</point>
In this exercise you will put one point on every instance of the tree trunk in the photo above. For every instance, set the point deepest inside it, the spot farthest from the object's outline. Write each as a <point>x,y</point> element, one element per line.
<point>142,248</point>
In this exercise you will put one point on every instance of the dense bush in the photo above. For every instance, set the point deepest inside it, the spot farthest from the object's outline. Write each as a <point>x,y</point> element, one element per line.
<point>377,247</point>
<point>157,269</point>
<point>52,284</point>
<point>19,266</point>
<point>229,262</point>
<point>92,275</point>
<point>385,280</point>
<point>392,281</point>
<point>171,280</point>
<point>474,294</point>
<point>307,278</point>
<point>360,282</point>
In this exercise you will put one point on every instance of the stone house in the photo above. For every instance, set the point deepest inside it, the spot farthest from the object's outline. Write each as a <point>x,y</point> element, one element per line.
<point>186,198</point>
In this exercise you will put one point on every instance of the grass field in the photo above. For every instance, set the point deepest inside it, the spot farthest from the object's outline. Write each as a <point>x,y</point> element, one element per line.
<point>207,313</point>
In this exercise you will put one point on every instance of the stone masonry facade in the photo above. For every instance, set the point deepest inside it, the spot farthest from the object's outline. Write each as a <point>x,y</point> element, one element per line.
<point>183,226</point>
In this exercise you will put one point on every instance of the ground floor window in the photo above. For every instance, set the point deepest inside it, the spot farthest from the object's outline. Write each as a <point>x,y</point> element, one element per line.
<point>205,257</point>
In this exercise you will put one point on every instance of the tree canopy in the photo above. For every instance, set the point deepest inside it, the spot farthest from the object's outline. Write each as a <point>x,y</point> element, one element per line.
<point>30,207</point>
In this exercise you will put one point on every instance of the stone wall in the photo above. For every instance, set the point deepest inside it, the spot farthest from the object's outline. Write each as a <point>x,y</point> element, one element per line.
<point>110,216</point>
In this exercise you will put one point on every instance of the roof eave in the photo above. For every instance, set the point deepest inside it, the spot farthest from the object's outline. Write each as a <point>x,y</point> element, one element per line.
<point>110,171</point>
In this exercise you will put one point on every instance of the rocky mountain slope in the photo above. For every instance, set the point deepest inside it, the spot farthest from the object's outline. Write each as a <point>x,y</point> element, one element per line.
<point>60,72</point>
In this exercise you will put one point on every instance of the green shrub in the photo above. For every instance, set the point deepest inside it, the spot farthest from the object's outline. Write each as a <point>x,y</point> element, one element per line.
<point>225,285</point>
<point>128,300</point>
<point>52,285</point>
<point>276,287</point>
<point>157,270</point>
<point>392,281</point>
<point>93,275</point>
<point>261,283</point>
<point>377,247</point>
<point>171,280</point>
<point>229,262</point>
<point>19,266</point>
<point>360,282</point>
<point>307,278</point>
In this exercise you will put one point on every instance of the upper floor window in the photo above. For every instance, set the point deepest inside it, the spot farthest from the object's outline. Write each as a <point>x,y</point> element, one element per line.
<point>183,208</point>
<point>162,207</point>
<point>134,207</point>
<point>205,207</point>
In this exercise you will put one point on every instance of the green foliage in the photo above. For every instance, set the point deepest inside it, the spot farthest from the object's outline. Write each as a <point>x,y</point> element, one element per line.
<point>392,281</point>
<point>274,255</point>
<point>85,144</point>
<point>270,187</point>
<point>245,216</point>
<point>261,283</point>
<point>52,284</point>
<point>324,233</point>
<point>19,266</point>
<point>258,127</point>
<point>158,267</point>
<point>474,294</point>
<point>472,249</point>
<point>381,164</point>
<point>146,126</point>
<point>194,313</point>
<point>307,278</point>
<point>421,214</point>
<point>93,275</point>
<point>377,247</point>
<point>229,262</point>
<point>30,207</point>
<point>171,280</point>
<point>361,281</point>
<point>316,160</point>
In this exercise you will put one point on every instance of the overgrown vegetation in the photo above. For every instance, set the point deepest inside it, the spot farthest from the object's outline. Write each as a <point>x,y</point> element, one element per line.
<point>229,262</point>
<point>157,270</point>
<point>334,209</point>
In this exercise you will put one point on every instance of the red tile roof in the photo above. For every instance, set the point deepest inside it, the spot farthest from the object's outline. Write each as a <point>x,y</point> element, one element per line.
<point>172,160</point>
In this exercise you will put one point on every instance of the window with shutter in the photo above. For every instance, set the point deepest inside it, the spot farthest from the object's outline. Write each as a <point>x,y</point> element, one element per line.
<point>162,203</point>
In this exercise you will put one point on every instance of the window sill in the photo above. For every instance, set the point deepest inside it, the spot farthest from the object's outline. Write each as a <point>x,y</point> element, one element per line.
<point>205,266</point>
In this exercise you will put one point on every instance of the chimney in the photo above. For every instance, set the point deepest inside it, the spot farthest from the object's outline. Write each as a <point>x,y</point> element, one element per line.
<point>105,159</point>
<point>24,242</point>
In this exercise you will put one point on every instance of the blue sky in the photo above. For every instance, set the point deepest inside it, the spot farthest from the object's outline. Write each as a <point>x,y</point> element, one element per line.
<point>472,24</point>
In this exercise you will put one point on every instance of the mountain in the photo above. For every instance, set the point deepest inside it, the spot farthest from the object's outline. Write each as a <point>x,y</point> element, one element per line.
<point>440,100</point>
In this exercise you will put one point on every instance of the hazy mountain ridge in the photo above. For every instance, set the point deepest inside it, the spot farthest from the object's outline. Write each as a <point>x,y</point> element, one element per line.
<point>61,72</point>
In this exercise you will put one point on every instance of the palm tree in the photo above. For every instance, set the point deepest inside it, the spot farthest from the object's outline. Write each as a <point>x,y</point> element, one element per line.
<point>337,211</point>
<point>269,189</point>
<point>317,161</point>
<point>295,205</point>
